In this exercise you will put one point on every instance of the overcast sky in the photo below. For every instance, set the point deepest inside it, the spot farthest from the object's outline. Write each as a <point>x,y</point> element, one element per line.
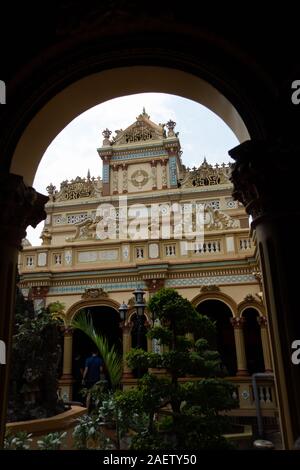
<point>73,151</point>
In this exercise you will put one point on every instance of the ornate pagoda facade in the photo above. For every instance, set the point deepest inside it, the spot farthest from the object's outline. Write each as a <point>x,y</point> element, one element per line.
<point>99,244</point>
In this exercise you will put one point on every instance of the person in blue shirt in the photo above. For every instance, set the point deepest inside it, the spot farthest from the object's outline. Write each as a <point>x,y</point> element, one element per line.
<point>92,372</point>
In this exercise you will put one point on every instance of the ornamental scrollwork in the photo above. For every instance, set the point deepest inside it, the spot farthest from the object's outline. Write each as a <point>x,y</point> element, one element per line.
<point>139,178</point>
<point>206,175</point>
<point>94,293</point>
<point>76,189</point>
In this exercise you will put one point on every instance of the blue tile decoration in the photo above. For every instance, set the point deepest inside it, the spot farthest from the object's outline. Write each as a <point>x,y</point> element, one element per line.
<point>176,282</point>
<point>105,173</point>
<point>80,289</point>
<point>214,280</point>
<point>132,156</point>
<point>172,170</point>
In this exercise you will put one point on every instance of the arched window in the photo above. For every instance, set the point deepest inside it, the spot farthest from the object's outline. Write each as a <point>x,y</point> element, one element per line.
<point>253,345</point>
<point>219,312</point>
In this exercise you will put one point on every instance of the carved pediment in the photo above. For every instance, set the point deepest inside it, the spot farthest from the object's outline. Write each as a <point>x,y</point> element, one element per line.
<point>142,130</point>
<point>206,175</point>
<point>210,288</point>
<point>94,293</point>
<point>77,188</point>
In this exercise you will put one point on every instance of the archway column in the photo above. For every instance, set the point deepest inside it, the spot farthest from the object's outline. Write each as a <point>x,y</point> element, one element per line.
<point>126,329</point>
<point>238,325</point>
<point>66,381</point>
<point>263,183</point>
<point>263,323</point>
<point>20,206</point>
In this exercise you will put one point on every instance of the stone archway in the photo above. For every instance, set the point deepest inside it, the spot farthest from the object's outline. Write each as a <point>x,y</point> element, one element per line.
<point>255,185</point>
<point>215,294</point>
<point>220,312</point>
<point>99,87</point>
<point>77,346</point>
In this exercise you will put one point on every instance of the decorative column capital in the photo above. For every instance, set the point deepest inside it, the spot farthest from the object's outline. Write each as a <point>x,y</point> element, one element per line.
<point>126,328</point>
<point>237,322</point>
<point>67,330</point>
<point>262,321</point>
<point>153,285</point>
<point>39,292</point>
<point>259,170</point>
<point>20,206</point>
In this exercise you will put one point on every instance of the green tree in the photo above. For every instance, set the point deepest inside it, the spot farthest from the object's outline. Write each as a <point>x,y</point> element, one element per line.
<point>36,355</point>
<point>195,407</point>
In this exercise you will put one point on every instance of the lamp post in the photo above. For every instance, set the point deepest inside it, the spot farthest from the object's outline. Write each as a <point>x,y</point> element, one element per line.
<point>123,310</point>
<point>140,309</point>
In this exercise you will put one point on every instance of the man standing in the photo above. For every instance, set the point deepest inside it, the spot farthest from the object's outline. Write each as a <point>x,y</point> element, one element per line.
<point>91,374</point>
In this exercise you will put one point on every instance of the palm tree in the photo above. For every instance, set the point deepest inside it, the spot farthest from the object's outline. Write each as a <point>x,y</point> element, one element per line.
<point>110,356</point>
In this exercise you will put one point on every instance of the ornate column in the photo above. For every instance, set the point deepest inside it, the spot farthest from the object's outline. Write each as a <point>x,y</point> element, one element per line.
<point>164,180</point>
<point>115,179</point>
<point>154,174</point>
<point>66,381</point>
<point>125,179</point>
<point>238,325</point>
<point>149,341</point>
<point>20,206</point>
<point>105,153</point>
<point>173,151</point>
<point>127,374</point>
<point>263,323</point>
<point>265,179</point>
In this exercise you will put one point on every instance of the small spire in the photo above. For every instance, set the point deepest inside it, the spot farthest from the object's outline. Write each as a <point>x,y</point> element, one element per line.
<point>88,174</point>
<point>146,115</point>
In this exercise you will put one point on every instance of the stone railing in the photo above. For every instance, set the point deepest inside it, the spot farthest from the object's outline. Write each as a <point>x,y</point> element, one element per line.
<point>245,244</point>
<point>245,394</point>
<point>64,257</point>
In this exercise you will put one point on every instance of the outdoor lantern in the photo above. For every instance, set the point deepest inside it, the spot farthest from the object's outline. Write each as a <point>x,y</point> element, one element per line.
<point>140,309</point>
<point>139,301</point>
<point>123,310</point>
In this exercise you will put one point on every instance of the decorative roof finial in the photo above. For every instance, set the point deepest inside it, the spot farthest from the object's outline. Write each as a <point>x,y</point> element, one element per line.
<point>88,174</point>
<point>143,114</point>
<point>106,134</point>
<point>171,125</point>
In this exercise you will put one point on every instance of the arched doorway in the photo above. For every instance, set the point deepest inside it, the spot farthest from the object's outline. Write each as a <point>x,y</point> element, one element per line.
<point>220,313</point>
<point>106,321</point>
<point>253,344</point>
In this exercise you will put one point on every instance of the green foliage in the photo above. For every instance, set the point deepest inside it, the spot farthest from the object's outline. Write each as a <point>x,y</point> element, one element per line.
<point>149,441</point>
<point>36,356</point>
<point>161,333</point>
<point>18,441</point>
<point>178,315</point>
<point>196,407</point>
<point>88,433</point>
<point>52,441</point>
<point>110,356</point>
